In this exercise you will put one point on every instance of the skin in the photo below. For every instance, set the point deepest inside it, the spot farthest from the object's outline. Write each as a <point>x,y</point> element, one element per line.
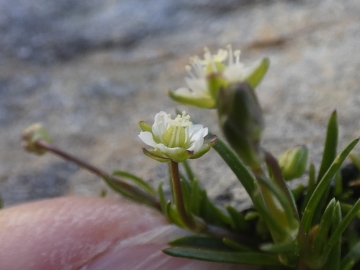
<point>89,233</point>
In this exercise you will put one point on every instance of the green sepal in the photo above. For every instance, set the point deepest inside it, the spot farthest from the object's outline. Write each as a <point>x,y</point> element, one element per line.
<point>145,127</point>
<point>204,101</point>
<point>257,73</point>
<point>223,256</point>
<point>32,134</point>
<point>209,142</point>
<point>216,82</point>
<point>152,155</point>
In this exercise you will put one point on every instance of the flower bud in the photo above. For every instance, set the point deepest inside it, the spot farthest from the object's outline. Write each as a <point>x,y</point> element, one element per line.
<point>293,162</point>
<point>241,120</point>
<point>31,135</point>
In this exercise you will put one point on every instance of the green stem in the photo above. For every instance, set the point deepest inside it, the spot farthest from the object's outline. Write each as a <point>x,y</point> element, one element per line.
<point>178,197</point>
<point>150,200</point>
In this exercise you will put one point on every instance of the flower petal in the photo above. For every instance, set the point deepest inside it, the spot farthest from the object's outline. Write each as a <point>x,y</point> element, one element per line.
<point>197,137</point>
<point>147,138</point>
<point>160,123</point>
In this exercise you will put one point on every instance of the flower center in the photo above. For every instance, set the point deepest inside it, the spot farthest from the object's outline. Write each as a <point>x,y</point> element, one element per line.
<point>177,131</point>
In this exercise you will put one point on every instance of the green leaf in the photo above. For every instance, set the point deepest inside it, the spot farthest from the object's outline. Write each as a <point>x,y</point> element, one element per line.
<point>127,194</point>
<point>333,261</point>
<point>237,246</point>
<point>271,221</point>
<point>338,190</point>
<point>239,169</point>
<point>346,208</point>
<point>186,193</point>
<point>258,73</point>
<point>137,180</point>
<point>286,248</point>
<point>279,195</point>
<point>323,185</point>
<point>355,158</point>
<point>329,155</point>
<point>199,242</point>
<point>239,222</point>
<point>324,228</point>
<point>188,170</point>
<point>211,214</point>
<point>173,215</point>
<point>296,192</point>
<point>310,188</point>
<point>330,146</point>
<point>340,229</point>
<point>223,256</point>
<point>102,194</point>
<point>162,198</point>
<point>351,258</point>
<point>196,198</point>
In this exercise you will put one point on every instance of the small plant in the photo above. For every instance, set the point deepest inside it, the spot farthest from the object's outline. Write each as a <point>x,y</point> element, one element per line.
<point>312,226</point>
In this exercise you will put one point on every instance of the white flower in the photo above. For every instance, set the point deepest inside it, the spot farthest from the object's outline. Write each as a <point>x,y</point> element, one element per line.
<point>207,75</point>
<point>176,139</point>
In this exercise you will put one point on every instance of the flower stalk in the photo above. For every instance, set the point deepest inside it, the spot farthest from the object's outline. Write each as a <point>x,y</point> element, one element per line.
<point>147,198</point>
<point>178,196</point>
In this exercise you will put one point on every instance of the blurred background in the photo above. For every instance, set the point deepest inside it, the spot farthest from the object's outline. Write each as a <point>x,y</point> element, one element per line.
<point>91,70</point>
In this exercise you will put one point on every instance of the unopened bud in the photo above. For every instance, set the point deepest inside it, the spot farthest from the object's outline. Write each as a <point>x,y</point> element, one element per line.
<point>293,162</point>
<point>31,135</point>
<point>242,122</point>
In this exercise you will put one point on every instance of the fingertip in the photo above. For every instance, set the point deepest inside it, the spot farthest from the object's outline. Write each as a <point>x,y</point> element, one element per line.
<point>69,231</point>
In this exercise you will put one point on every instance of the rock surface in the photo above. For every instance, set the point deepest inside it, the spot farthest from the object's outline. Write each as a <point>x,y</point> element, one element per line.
<point>90,70</point>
